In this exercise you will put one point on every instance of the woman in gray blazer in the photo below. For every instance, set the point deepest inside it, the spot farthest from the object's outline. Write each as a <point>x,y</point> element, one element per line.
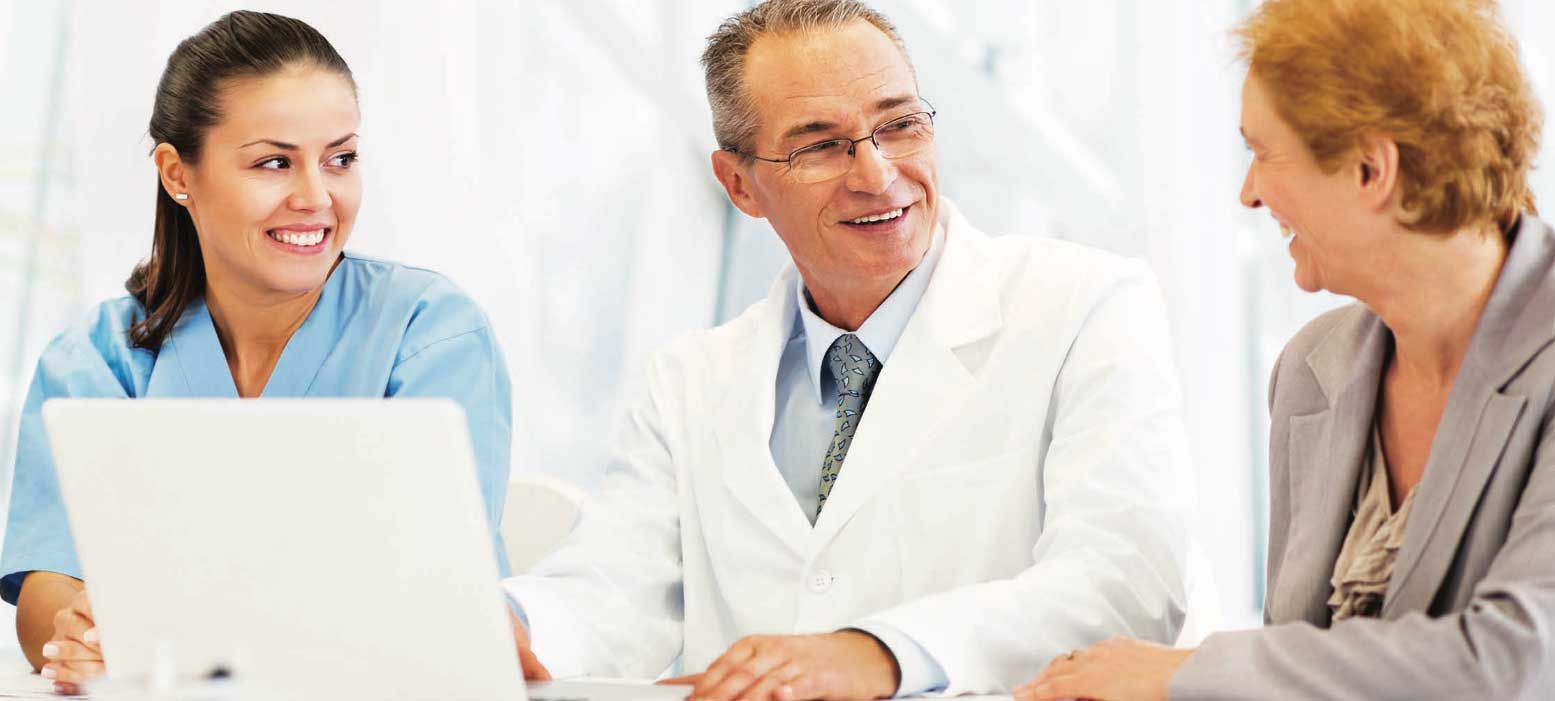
<point>1412,443</point>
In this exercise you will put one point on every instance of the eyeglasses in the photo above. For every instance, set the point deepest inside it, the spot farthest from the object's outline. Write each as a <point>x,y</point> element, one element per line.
<point>898,138</point>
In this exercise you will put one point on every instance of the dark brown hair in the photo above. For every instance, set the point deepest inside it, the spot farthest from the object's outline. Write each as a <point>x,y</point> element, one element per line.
<point>241,44</point>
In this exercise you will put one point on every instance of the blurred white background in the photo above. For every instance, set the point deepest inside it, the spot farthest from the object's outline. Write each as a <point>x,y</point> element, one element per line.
<point>551,157</point>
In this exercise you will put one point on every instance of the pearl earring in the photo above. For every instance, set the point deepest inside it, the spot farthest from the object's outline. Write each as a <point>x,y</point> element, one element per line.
<point>181,196</point>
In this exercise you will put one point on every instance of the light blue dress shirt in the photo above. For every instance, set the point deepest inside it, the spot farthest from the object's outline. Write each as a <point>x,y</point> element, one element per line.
<point>805,422</point>
<point>378,330</point>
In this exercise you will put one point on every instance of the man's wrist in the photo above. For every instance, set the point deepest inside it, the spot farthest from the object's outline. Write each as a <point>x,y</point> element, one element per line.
<point>891,680</point>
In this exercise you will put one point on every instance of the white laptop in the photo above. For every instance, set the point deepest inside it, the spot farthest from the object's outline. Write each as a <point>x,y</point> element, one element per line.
<point>313,549</point>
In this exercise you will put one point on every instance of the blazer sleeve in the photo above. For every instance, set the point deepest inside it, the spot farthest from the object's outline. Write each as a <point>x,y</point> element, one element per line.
<point>608,601</point>
<point>1499,646</point>
<point>1110,557</point>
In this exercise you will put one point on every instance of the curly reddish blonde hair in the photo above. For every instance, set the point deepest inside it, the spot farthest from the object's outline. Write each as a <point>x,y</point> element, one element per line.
<point>1439,77</point>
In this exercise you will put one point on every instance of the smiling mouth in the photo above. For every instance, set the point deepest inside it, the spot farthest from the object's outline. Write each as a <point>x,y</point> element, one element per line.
<point>881,219</point>
<point>304,238</point>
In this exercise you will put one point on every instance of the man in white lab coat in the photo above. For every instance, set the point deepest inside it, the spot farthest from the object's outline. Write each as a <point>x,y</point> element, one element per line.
<point>928,460</point>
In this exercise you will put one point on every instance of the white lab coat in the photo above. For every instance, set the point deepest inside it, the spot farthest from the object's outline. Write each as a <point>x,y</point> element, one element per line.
<point>1012,493</point>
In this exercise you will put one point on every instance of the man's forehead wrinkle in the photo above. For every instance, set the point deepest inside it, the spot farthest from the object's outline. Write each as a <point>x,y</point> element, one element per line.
<point>811,96</point>
<point>879,88</point>
<point>872,75</point>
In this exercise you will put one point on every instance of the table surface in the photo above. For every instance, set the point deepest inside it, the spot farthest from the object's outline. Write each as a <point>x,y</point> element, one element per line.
<point>17,680</point>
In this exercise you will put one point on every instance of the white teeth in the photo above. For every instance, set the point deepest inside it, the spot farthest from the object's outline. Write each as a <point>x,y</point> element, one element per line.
<point>878,217</point>
<point>311,238</point>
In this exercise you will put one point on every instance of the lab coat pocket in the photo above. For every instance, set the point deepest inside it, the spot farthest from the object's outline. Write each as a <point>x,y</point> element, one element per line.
<point>968,522</point>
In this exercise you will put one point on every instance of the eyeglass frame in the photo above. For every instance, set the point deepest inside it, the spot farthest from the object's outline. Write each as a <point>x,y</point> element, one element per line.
<point>852,143</point>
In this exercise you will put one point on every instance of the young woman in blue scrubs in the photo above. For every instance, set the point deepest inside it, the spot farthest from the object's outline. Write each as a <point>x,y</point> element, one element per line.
<point>247,293</point>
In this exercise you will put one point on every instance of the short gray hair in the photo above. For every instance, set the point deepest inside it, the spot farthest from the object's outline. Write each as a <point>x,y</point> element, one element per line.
<point>723,61</point>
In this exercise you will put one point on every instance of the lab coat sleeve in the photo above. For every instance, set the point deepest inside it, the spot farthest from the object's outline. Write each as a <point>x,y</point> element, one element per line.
<point>1110,558</point>
<point>608,601</point>
<point>469,369</point>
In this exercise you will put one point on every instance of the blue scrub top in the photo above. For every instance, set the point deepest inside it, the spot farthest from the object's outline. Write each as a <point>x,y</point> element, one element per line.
<point>378,330</point>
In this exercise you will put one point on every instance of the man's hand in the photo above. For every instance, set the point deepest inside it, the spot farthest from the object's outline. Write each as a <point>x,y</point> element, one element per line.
<point>848,664</point>
<point>74,654</point>
<point>533,670</point>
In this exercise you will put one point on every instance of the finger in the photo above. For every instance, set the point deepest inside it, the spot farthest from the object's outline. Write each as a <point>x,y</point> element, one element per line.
<point>804,686</point>
<point>723,666</point>
<point>1064,686</point>
<point>729,685</point>
<point>689,679</point>
<point>739,682</point>
<point>1026,687</point>
<point>766,688</point>
<point>76,673</point>
<point>69,651</point>
<point>66,689</point>
<point>82,604</point>
<point>70,626</point>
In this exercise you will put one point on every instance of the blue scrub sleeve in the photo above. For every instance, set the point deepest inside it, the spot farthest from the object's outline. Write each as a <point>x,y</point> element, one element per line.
<point>469,368</point>
<point>37,532</point>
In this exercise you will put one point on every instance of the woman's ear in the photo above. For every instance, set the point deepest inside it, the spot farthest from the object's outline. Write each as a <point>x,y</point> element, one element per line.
<point>1376,173</point>
<point>171,171</point>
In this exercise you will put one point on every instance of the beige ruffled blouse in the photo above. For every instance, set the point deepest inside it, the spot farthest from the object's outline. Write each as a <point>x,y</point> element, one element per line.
<point>1371,547</point>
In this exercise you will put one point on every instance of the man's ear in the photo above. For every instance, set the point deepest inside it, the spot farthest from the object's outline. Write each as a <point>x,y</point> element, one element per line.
<point>171,171</point>
<point>730,168</point>
<point>1376,171</point>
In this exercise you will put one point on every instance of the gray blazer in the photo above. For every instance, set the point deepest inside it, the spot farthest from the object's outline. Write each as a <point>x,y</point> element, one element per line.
<point>1470,611</point>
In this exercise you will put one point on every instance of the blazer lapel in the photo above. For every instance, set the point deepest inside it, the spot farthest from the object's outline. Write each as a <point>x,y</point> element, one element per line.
<point>1518,321</point>
<point>1326,449</point>
<point>923,377</point>
<point>744,420</point>
<point>1469,439</point>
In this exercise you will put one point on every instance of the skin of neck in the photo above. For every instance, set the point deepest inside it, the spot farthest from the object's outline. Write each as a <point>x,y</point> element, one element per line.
<point>1432,295</point>
<point>848,306</point>
<point>254,327</point>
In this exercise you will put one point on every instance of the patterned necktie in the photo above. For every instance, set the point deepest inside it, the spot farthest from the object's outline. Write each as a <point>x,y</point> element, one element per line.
<point>854,368</point>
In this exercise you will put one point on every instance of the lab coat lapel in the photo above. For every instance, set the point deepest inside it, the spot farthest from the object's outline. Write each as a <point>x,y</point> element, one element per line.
<point>744,421</point>
<point>923,377</point>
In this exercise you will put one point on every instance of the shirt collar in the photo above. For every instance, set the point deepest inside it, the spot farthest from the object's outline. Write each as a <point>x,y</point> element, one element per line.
<point>880,331</point>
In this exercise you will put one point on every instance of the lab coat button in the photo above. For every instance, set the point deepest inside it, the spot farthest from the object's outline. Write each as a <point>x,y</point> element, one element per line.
<point>820,581</point>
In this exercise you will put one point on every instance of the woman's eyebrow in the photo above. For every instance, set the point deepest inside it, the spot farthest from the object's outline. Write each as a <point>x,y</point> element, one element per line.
<point>293,147</point>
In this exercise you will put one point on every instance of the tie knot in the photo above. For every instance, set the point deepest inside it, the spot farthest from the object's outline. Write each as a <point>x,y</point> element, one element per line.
<point>852,366</point>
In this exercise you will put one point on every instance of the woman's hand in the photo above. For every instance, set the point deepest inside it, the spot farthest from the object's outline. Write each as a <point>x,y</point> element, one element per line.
<point>74,654</point>
<point>1117,670</point>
